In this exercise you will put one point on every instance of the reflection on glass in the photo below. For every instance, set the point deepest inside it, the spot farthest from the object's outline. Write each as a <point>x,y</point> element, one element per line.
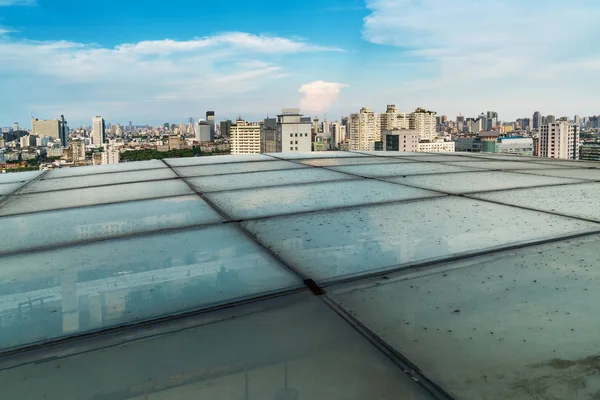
<point>516,325</point>
<point>103,169</point>
<point>85,288</point>
<point>290,348</point>
<point>413,168</point>
<point>233,168</point>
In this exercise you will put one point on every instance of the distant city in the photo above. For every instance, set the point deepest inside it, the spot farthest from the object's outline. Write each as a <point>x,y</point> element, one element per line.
<point>51,144</point>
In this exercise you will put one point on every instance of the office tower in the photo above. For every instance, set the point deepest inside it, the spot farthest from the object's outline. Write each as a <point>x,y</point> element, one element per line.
<point>559,140</point>
<point>338,134</point>
<point>43,128</point>
<point>64,132</point>
<point>203,131</point>
<point>294,132</point>
<point>577,120</point>
<point>225,128</point>
<point>491,120</point>
<point>210,118</point>
<point>537,120</point>
<point>130,127</point>
<point>326,130</point>
<point>15,127</point>
<point>166,126</point>
<point>525,123</point>
<point>423,122</point>
<point>269,141</point>
<point>245,137</point>
<point>364,130</point>
<point>316,126</point>
<point>400,140</point>
<point>98,131</point>
<point>550,119</point>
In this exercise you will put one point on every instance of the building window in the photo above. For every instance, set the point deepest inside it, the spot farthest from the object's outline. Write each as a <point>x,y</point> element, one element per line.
<point>291,149</point>
<point>296,135</point>
<point>296,148</point>
<point>291,142</point>
<point>296,142</point>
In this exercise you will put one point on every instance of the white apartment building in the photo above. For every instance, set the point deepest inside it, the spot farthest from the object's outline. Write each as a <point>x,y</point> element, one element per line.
<point>338,134</point>
<point>295,135</point>
<point>364,130</point>
<point>423,122</point>
<point>43,128</point>
<point>559,140</point>
<point>98,131</point>
<point>245,137</point>
<point>436,146</point>
<point>393,119</point>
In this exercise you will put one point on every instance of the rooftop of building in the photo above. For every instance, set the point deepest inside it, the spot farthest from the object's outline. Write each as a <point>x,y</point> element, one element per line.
<point>329,275</point>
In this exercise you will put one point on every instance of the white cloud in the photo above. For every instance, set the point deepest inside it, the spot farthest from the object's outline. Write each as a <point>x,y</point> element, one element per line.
<point>137,80</point>
<point>319,96</point>
<point>501,47</point>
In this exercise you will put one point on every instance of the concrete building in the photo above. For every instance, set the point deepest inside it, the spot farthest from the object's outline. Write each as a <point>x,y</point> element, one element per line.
<point>245,137</point>
<point>338,134</point>
<point>64,132</point>
<point>294,133</point>
<point>322,143</point>
<point>270,141</point>
<point>315,131</point>
<point>364,130</point>
<point>76,151</point>
<point>210,117</point>
<point>110,155</point>
<point>51,127</point>
<point>436,145</point>
<point>400,140</point>
<point>492,142</point>
<point>326,130</point>
<point>590,152</point>
<point>392,119</point>
<point>559,140</point>
<point>491,120</point>
<point>98,131</point>
<point>537,120</point>
<point>225,128</point>
<point>423,121</point>
<point>550,119</point>
<point>205,131</point>
<point>175,143</point>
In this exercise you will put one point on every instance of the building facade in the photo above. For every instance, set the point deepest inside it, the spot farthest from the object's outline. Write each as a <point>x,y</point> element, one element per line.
<point>338,134</point>
<point>98,131</point>
<point>537,120</point>
<point>294,133</point>
<point>270,141</point>
<point>423,122</point>
<point>436,146</point>
<point>245,137</point>
<point>590,152</point>
<point>204,131</point>
<point>402,140</point>
<point>559,140</point>
<point>50,128</point>
<point>364,130</point>
<point>210,117</point>
<point>110,155</point>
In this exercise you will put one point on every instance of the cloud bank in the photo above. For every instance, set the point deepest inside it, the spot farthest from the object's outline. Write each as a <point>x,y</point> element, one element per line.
<point>319,96</point>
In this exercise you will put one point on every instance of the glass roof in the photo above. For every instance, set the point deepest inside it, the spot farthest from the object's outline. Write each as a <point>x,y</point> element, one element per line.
<point>337,275</point>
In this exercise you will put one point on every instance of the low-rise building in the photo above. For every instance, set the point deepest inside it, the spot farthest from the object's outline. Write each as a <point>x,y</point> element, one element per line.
<point>400,140</point>
<point>590,151</point>
<point>436,146</point>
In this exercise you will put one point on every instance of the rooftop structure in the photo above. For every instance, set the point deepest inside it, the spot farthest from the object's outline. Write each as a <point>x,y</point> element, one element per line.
<point>331,275</point>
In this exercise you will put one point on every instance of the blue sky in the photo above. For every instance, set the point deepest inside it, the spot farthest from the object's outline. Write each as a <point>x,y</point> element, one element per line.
<point>151,62</point>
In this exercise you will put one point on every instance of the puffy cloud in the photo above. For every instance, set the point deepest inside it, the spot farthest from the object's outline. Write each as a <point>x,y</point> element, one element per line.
<point>318,96</point>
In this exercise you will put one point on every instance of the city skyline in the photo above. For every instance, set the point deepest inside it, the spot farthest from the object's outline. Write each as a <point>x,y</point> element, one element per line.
<point>178,59</point>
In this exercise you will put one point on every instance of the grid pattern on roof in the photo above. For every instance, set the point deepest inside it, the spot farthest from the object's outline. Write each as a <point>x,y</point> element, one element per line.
<point>293,274</point>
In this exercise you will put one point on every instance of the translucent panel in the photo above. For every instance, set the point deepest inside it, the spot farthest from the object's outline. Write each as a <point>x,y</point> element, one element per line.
<point>574,200</point>
<point>282,349</point>
<point>393,153</point>
<point>317,154</point>
<point>8,188</point>
<point>43,185</point>
<point>85,288</point>
<point>499,156</point>
<point>92,196</point>
<point>331,162</point>
<point>478,181</point>
<point>184,162</point>
<point>400,169</point>
<point>103,169</point>
<point>14,177</point>
<point>47,229</point>
<point>265,179</point>
<point>449,157</point>
<point>520,325</point>
<point>558,163</point>
<point>502,165</point>
<point>593,174</point>
<point>351,242</point>
<point>255,203</point>
<point>233,168</point>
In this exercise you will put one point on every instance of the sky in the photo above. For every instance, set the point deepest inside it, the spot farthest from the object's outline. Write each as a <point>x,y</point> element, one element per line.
<point>151,62</point>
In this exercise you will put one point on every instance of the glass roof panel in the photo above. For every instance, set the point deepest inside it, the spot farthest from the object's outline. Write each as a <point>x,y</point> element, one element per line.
<point>592,174</point>
<point>211,160</point>
<point>353,242</point>
<point>85,288</point>
<point>514,325</point>
<point>8,188</point>
<point>47,229</point>
<point>232,168</point>
<point>43,185</point>
<point>570,163</point>
<point>265,179</point>
<point>448,157</point>
<point>281,349</point>
<point>331,162</point>
<point>317,154</point>
<point>104,169</point>
<point>503,165</point>
<point>15,177</point>
<point>254,203</point>
<point>34,202</point>
<point>573,200</point>
<point>478,181</point>
<point>380,170</point>
<point>393,153</point>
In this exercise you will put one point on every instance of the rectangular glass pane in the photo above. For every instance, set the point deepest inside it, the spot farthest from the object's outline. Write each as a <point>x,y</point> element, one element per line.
<point>104,169</point>
<point>8,188</point>
<point>573,200</point>
<point>233,168</point>
<point>515,325</point>
<point>34,202</point>
<point>43,185</point>
<point>265,179</point>
<point>449,157</point>
<point>576,173</point>
<point>211,160</point>
<point>502,165</point>
<point>328,245</point>
<point>253,203</point>
<point>393,153</point>
<point>317,154</point>
<point>478,181</point>
<point>400,169</point>
<point>15,177</point>
<point>558,163</point>
<point>47,229</point>
<point>289,348</point>
<point>332,162</point>
<point>85,288</point>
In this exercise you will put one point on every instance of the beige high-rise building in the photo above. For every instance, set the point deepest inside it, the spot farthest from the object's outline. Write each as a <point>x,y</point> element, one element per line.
<point>98,131</point>
<point>364,130</point>
<point>338,134</point>
<point>559,140</point>
<point>393,119</point>
<point>76,151</point>
<point>245,137</point>
<point>423,122</point>
<point>110,155</point>
<point>44,128</point>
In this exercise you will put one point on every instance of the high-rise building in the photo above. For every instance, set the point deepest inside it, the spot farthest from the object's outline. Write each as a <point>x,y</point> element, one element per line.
<point>43,128</point>
<point>64,132</point>
<point>110,155</point>
<point>338,134</point>
<point>559,140</point>
<point>537,120</point>
<point>130,127</point>
<point>550,119</point>
<point>76,151</point>
<point>423,122</point>
<point>270,142</point>
<point>98,131</point>
<point>392,119</point>
<point>316,126</point>
<point>326,127</point>
<point>245,137</point>
<point>203,131</point>
<point>400,140</point>
<point>210,118</point>
<point>294,133</point>
<point>364,130</point>
<point>491,120</point>
<point>577,120</point>
<point>225,128</point>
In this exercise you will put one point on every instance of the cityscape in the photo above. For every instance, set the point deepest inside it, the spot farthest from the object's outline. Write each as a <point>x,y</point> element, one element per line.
<point>51,144</point>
